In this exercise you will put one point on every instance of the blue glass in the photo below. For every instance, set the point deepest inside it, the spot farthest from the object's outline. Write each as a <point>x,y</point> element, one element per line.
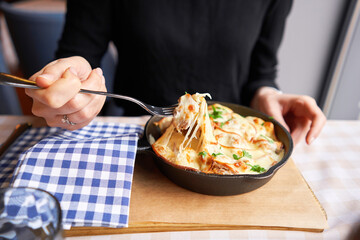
<point>28,213</point>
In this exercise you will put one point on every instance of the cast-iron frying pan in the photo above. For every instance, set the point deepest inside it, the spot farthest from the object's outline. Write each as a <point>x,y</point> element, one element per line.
<point>214,184</point>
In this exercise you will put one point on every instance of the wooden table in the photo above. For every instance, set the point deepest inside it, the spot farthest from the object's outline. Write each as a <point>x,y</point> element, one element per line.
<point>331,166</point>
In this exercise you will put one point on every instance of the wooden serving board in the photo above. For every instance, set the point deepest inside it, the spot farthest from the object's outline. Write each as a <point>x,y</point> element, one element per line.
<point>157,204</point>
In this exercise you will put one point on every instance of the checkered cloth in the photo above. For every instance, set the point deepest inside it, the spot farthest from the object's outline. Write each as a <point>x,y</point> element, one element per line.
<point>28,209</point>
<point>25,141</point>
<point>88,170</point>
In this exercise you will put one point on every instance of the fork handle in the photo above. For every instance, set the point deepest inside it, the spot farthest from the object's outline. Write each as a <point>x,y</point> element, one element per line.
<point>115,96</point>
<point>14,81</point>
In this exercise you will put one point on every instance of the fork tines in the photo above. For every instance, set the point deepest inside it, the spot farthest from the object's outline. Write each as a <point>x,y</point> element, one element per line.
<point>169,110</point>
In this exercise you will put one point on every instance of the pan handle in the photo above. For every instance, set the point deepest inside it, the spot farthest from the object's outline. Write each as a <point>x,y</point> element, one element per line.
<point>143,144</point>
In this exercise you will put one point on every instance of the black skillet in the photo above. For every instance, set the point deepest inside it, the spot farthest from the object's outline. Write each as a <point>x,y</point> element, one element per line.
<point>213,184</point>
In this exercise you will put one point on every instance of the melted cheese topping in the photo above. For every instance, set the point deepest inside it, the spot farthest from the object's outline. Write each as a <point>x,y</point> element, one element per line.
<point>216,140</point>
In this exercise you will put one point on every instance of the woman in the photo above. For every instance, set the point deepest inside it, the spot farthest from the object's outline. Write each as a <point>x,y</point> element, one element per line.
<point>226,48</point>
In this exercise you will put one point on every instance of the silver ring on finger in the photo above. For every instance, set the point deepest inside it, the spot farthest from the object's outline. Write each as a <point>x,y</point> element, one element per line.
<point>66,120</point>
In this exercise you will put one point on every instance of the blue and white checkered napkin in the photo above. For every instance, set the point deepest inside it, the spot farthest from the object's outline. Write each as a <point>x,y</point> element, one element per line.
<point>88,170</point>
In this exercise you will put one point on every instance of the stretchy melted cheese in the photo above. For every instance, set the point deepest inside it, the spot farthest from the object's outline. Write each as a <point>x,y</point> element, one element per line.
<point>216,140</point>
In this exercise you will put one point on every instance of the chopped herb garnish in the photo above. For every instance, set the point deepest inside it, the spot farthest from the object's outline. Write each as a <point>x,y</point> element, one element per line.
<point>262,124</point>
<point>216,113</point>
<point>246,154</point>
<point>256,168</point>
<point>267,138</point>
<point>223,123</point>
<point>203,154</point>
<point>216,154</point>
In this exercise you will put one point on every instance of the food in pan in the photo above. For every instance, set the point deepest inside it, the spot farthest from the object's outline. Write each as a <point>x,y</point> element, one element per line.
<point>214,139</point>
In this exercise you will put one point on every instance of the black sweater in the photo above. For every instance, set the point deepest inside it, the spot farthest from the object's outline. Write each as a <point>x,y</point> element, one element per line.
<point>226,48</point>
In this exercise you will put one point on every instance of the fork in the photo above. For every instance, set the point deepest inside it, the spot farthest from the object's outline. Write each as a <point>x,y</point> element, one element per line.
<point>14,81</point>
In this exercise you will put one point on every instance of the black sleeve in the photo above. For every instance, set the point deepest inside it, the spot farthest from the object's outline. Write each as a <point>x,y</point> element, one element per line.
<point>264,56</point>
<point>87,30</point>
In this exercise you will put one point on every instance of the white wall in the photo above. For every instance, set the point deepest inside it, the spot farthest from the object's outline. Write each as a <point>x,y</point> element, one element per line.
<point>308,41</point>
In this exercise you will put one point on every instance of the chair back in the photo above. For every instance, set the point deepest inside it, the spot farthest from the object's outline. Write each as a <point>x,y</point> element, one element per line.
<point>9,102</point>
<point>35,35</point>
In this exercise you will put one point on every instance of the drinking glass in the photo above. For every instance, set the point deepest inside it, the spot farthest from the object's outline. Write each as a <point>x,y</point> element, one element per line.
<point>29,213</point>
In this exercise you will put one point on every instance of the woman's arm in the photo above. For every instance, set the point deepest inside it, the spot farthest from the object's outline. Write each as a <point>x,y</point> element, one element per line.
<point>87,30</point>
<point>263,64</point>
<point>298,113</point>
<point>85,38</point>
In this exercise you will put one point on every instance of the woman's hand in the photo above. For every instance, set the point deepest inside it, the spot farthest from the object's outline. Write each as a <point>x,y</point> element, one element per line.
<point>59,98</point>
<point>298,113</point>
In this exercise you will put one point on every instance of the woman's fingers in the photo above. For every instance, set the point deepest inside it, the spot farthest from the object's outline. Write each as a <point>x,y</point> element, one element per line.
<point>306,107</point>
<point>75,102</point>
<point>82,101</point>
<point>54,70</point>
<point>60,94</point>
<point>275,111</point>
<point>303,116</point>
<point>266,100</point>
<point>87,106</point>
<point>298,113</point>
<point>58,121</point>
<point>84,116</point>
<point>299,126</point>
